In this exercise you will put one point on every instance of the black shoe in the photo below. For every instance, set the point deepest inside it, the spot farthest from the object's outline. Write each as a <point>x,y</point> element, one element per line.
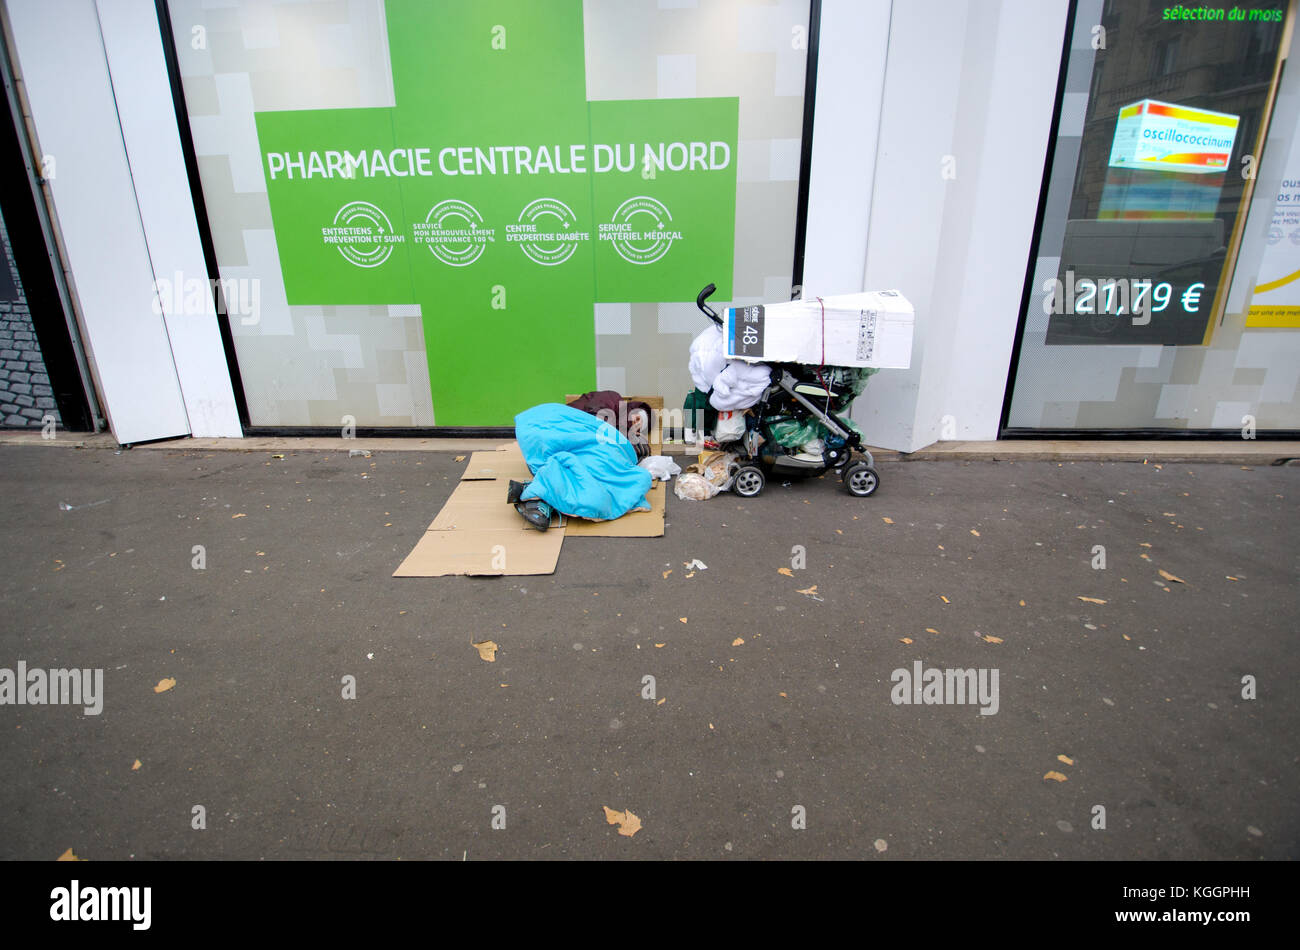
<point>514,490</point>
<point>536,512</point>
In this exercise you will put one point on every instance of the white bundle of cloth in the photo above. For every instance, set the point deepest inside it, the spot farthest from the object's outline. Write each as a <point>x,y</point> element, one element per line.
<point>736,385</point>
<point>740,385</point>
<point>708,358</point>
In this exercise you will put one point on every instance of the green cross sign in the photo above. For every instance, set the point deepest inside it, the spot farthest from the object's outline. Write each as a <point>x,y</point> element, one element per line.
<point>500,200</point>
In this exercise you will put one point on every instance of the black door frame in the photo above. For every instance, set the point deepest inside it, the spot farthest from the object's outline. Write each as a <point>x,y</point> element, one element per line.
<point>37,265</point>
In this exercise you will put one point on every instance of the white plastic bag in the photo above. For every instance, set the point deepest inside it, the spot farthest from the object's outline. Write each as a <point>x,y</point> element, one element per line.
<point>703,479</point>
<point>692,486</point>
<point>730,428</point>
<point>660,467</point>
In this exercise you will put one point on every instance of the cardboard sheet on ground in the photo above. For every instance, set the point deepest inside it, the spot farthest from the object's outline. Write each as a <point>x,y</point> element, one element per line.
<point>477,533</point>
<point>506,462</point>
<point>441,553</point>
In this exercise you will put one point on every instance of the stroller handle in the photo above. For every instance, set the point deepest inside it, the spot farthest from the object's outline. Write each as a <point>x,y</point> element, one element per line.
<point>705,308</point>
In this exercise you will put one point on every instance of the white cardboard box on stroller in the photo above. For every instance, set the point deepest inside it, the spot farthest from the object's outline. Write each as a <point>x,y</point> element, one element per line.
<point>868,329</point>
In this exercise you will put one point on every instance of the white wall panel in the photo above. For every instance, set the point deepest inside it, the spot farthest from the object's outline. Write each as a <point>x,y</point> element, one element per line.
<point>148,119</point>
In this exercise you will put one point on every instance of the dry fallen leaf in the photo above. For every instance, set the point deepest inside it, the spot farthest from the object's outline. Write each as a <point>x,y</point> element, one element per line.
<point>810,591</point>
<point>944,599</point>
<point>1169,577</point>
<point>662,701</point>
<point>1066,759</point>
<point>487,650</point>
<point>738,641</point>
<point>682,619</point>
<point>1092,600</point>
<point>68,856</point>
<point>1143,544</point>
<point>667,572</point>
<point>991,639</point>
<point>904,639</point>
<point>786,571</point>
<point>164,685</point>
<point>1022,603</point>
<point>783,695</point>
<point>628,823</point>
<point>659,646</point>
<point>931,630</point>
<point>1229,577</point>
<point>240,515</point>
<point>887,520</point>
<point>136,766</point>
<point>974,532</point>
<point>1055,776</point>
<point>460,458</point>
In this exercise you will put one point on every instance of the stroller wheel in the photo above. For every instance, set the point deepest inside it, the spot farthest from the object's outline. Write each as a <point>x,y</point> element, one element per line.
<point>749,481</point>
<point>861,479</point>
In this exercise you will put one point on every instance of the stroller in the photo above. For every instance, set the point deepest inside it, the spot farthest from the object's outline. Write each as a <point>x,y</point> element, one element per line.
<point>801,398</point>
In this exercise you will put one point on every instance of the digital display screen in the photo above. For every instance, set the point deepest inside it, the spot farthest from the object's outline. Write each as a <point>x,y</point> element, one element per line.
<point>1174,110</point>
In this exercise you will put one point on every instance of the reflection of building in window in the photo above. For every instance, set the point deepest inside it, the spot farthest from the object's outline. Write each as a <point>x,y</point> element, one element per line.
<point>1164,57</point>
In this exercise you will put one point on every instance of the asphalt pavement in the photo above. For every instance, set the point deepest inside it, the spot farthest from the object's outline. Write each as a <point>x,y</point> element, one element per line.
<point>1132,626</point>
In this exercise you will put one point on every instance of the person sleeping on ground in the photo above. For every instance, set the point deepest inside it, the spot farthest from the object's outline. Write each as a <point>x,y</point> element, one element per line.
<point>581,464</point>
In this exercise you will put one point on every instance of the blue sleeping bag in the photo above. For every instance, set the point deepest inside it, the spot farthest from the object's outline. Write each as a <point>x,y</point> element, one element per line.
<point>581,465</point>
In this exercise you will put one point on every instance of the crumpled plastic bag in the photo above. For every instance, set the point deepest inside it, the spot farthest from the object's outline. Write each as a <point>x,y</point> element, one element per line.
<point>794,434</point>
<point>660,467</point>
<point>740,385</point>
<point>718,467</point>
<point>702,480</point>
<point>692,486</point>
<point>708,357</point>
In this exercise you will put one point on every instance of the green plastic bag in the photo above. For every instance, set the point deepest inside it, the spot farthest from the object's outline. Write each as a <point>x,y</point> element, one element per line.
<point>791,434</point>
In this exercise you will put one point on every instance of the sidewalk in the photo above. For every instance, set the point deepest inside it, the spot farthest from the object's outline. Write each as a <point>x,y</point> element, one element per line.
<point>1240,451</point>
<point>775,670</point>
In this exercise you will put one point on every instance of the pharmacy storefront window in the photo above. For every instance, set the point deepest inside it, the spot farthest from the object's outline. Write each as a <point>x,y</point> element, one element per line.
<point>453,211</point>
<point>1167,165</point>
